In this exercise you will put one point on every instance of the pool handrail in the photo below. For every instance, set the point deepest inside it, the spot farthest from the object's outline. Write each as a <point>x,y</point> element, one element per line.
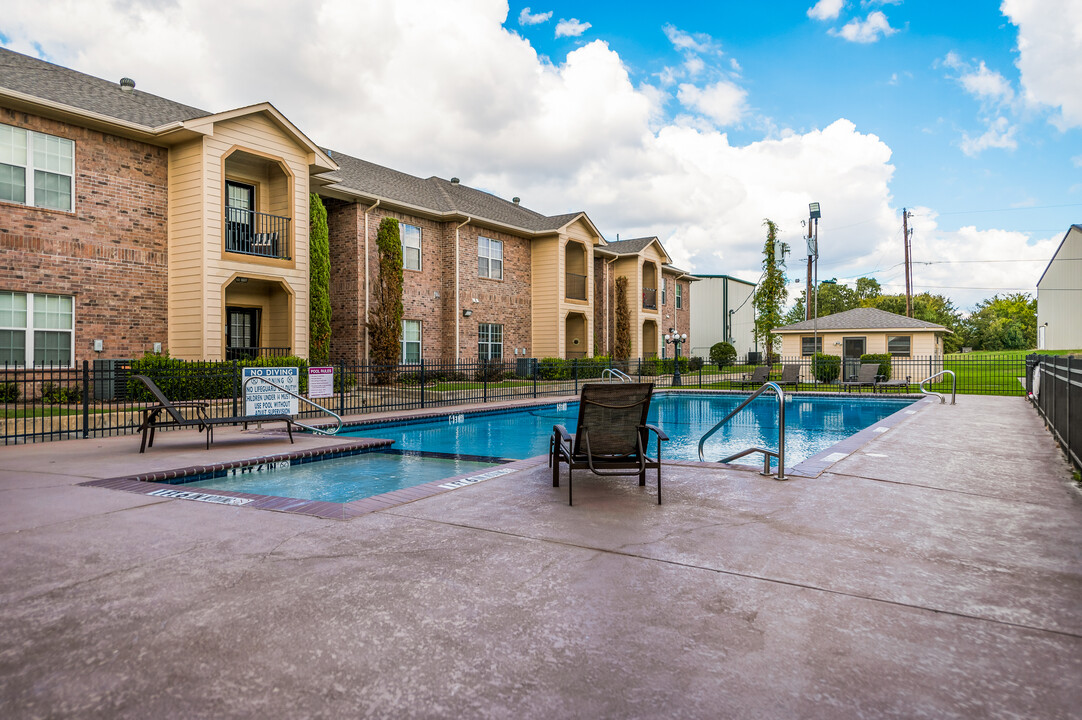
<point>767,454</point>
<point>613,372</point>
<point>287,391</point>
<point>954,386</point>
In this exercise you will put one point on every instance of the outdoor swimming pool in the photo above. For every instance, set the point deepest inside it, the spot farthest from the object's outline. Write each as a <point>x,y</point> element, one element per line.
<point>450,445</point>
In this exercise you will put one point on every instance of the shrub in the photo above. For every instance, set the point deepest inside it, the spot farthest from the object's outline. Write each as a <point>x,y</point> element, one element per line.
<point>490,370</point>
<point>552,368</point>
<point>883,360</point>
<point>58,394</point>
<point>722,354</point>
<point>695,363</point>
<point>183,380</point>
<point>826,367</point>
<point>9,392</point>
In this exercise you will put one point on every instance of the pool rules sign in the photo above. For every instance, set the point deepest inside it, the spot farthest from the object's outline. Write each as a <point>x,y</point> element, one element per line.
<point>262,398</point>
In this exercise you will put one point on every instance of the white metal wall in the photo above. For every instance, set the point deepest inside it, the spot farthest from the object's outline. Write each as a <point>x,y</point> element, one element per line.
<point>710,310</point>
<point>1059,296</point>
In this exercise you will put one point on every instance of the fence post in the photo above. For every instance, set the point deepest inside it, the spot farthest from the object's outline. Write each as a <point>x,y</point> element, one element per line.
<point>236,389</point>
<point>534,363</point>
<point>422,383</point>
<point>484,376</point>
<point>575,373</point>
<point>342,389</point>
<point>86,397</point>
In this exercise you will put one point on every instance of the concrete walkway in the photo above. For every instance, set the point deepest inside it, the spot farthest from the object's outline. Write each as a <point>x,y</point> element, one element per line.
<point>937,573</point>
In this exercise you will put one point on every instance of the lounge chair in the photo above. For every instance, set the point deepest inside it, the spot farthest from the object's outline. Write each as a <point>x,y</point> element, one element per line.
<point>790,375</point>
<point>887,384</point>
<point>152,416</point>
<point>866,376</point>
<point>611,436</point>
<point>758,376</point>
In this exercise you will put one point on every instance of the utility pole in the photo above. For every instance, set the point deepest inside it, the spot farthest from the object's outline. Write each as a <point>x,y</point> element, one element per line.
<point>906,235</point>
<point>808,285</point>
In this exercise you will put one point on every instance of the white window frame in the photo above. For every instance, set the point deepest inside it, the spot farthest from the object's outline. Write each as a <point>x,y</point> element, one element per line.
<point>31,168</point>
<point>679,297</point>
<point>486,258</point>
<point>30,328</point>
<point>664,287</point>
<point>404,357</point>
<point>402,234</point>
<point>484,340</point>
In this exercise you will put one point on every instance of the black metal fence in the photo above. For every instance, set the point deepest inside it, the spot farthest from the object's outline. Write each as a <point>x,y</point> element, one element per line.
<point>1055,387</point>
<point>101,399</point>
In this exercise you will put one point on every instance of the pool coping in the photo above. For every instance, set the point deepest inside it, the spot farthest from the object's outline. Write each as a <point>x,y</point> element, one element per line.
<point>154,483</point>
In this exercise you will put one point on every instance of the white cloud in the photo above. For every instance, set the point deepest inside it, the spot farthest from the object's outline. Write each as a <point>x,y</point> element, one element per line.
<point>1050,54</point>
<point>1077,160</point>
<point>981,83</point>
<point>525,18</point>
<point>693,42</point>
<point>572,135</point>
<point>999,134</point>
<point>826,9</point>
<point>571,28</point>
<point>723,102</point>
<point>869,30</point>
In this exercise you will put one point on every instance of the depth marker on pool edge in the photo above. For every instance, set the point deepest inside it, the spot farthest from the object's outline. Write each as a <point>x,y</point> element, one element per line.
<point>477,478</point>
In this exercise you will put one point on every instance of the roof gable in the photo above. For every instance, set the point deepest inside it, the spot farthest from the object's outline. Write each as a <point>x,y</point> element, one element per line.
<point>635,246</point>
<point>1072,229</point>
<point>862,319</point>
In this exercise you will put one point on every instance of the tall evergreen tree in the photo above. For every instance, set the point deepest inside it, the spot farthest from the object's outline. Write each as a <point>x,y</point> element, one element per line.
<point>771,293</point>
<point>385,319</point>
<point>621,349</point>
<point>319,284</point>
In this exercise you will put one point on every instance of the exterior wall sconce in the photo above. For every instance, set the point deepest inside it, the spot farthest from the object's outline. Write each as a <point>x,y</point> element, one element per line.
<point>240,280</point>
<point>467,313</point>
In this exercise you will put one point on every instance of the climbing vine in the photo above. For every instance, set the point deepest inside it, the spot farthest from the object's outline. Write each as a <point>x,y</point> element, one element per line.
<point>319,284</point>
<point>385,320</point>
<point>621,349</point>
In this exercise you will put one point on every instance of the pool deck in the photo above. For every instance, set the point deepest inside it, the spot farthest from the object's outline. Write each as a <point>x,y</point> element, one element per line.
<point>936,571</point>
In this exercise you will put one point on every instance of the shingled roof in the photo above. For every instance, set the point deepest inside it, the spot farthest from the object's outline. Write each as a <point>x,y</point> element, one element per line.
<point>630,247</point>
<point>438,195</point>
<point>40,79</point>
<point>862,319</point>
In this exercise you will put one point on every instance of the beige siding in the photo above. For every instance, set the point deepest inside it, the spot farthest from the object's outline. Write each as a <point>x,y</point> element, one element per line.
<point>580,232</point>
<point>546,264</point>
<point>1059,296</point>
<point>199,271</point>
<point>629,267</point>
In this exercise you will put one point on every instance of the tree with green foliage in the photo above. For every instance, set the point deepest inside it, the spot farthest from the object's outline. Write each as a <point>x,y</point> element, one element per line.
<point>621,348</point>
<point>833,298</point>
<point>385,319</point>
<point>1007,322</point>
<point>319,283</point>
<point>771,293</point>
<point>931,308</point>
<point>867,289</point>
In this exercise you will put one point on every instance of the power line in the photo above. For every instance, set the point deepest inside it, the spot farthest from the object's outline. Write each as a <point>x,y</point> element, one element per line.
<point>1014,209</point>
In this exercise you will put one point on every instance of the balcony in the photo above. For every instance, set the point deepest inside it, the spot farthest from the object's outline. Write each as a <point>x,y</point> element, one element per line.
<point>649,298</point>
<point>254,233</point>
<point>251,353</point>
<point>575,286</point>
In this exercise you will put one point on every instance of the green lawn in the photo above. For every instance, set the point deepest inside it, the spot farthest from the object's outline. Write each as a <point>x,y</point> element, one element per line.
<point>452,386</point>
<point>48,411</point>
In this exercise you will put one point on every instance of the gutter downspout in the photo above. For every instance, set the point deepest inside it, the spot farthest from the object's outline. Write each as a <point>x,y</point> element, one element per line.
<point>366,280</point>
<point>458,305</point>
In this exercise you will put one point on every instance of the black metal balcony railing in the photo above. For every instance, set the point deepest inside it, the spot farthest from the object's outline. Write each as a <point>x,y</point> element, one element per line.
<point>575,286</point>
<point>649,298</point>
<point>250,353</point>
<point>255,233</point>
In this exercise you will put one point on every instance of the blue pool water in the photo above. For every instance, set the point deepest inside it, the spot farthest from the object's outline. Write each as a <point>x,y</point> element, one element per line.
<point>812,424</point>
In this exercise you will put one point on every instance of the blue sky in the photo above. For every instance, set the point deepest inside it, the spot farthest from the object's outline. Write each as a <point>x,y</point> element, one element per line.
<point>692,121</point>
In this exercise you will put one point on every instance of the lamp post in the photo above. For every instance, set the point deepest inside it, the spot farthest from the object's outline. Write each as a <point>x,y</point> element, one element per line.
<point>676,340</point>
<point>813,253</point>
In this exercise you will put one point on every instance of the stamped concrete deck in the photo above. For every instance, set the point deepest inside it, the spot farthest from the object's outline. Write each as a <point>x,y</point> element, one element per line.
<point>936,572</point>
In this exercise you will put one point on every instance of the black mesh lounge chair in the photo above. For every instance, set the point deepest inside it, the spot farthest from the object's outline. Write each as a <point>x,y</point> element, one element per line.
<point>152,416</point>
<point>790,375</point>
<point>611,437</point>
<point>887,384</point>
<point>866,376</point>
<point>757,377</point>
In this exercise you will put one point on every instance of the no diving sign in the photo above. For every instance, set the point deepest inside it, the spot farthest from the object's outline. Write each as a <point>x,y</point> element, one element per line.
<point>262,398</point>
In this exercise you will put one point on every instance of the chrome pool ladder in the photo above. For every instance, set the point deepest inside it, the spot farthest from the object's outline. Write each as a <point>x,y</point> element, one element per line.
<point>614,373</point>
<point>767,454</point>
<point>954,385</point>
<point>319,431</point>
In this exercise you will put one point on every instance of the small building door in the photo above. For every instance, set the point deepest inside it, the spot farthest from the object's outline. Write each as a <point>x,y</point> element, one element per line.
<point>852,349</point>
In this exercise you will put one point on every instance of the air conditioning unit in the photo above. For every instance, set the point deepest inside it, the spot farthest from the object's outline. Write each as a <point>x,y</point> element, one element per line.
<point>526,367</point>
<point>110,379</point>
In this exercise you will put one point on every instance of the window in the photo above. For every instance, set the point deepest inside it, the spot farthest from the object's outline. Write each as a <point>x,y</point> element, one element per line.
<point>679,296</point>
<point>810,344</point>
<point>411,246</point>
<point>36,329</point>
<point>49,160</point>
<point>489,258</point>
<point>489,342</point>
<point>411,341</point>
<point>664,289</point>
<point>898,345</point>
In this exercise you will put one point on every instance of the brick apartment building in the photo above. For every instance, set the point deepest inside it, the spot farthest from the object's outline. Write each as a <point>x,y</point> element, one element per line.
<point>130,223</point>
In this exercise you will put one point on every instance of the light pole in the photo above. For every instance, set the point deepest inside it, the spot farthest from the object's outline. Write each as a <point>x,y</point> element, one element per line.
<point>813,253</point>
<point>677,341</point>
